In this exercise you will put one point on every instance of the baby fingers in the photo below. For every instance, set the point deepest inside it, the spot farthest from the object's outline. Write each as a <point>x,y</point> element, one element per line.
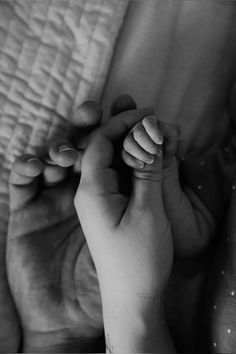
<point>135,149</point>
<point>142,145</point>
<point>152,129</point>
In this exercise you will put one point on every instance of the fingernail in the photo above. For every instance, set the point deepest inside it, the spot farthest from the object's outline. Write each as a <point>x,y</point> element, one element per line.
<point>63,148</point>
<point>140,164</point>
<point>151,160</point>
<point>160,140</point>
<point>32,159</point>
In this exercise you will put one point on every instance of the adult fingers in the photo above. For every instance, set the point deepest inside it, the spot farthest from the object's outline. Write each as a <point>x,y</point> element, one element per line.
<point>84,119</point>
<point>24,180</point>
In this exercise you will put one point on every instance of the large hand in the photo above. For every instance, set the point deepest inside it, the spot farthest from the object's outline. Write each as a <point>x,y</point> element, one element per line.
<point>129,236</point>
<point>50,271</point>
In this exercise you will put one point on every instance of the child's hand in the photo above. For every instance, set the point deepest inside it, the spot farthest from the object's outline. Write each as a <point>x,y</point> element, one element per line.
<point>129,238</point>
<point>190,220</point>
<point>143,144</point>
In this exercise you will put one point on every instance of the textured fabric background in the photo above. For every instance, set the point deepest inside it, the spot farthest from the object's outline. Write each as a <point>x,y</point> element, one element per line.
<point>53,55</point>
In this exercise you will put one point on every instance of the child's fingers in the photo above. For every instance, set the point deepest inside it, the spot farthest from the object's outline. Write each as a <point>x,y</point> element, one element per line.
<point>143,139</point>
<point>132,161</point>
<point>132,147</point>
<point>63,154</point>
<point>23,180</point>
<point>151,126</point>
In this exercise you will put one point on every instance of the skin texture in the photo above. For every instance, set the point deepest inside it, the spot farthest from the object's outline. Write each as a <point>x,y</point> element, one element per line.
<point>192,224</point>
<point>130,242</point>
<point>51,274</point>
<point>185,285</point>
<point>140,146</point>
<point>192,237</point>
<point>41,301</point>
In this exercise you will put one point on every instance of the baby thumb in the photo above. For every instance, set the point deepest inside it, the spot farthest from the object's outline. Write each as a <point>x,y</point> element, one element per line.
<point>147,182</point>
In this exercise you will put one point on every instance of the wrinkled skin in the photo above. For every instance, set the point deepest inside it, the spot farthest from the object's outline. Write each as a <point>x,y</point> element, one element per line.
<point>51,274</point>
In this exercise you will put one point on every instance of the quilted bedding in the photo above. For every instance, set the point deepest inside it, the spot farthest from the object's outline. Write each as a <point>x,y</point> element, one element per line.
<point>54,54</point>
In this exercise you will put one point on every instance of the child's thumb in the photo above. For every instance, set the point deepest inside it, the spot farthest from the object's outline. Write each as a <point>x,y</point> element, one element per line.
<point>147,183</point>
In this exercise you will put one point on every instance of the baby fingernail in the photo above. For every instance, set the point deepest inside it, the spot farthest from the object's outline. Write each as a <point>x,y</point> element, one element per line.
<point>140,164</point>
<point>160,140</point>
<point>151,160</point>
<point>63,148</point>
<point>31,159</point>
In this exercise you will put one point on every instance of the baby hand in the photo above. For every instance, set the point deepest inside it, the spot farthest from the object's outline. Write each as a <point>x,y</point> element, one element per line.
<point>142,146</point>
<point>145,143</point>
<point>190,221</point>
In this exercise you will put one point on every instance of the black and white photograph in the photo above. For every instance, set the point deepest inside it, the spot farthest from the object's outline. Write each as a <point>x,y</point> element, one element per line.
<point>117,176</point>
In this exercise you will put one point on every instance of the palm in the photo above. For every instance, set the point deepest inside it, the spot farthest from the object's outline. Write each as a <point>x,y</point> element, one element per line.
<point>50,269</point>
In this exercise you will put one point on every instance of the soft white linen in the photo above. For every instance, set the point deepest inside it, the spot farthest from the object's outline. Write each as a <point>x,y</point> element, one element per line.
<point>54,54</point>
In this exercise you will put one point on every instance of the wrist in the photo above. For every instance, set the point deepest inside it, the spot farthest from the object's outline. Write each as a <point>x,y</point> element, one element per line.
<point>136,325</point>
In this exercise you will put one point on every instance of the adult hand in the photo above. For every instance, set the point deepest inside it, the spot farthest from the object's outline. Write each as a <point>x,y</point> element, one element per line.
<point>51,274</point>
<point>129,236</point>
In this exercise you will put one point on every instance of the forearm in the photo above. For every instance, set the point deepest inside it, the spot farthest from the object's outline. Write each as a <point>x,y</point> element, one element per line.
<point>136,327</point>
